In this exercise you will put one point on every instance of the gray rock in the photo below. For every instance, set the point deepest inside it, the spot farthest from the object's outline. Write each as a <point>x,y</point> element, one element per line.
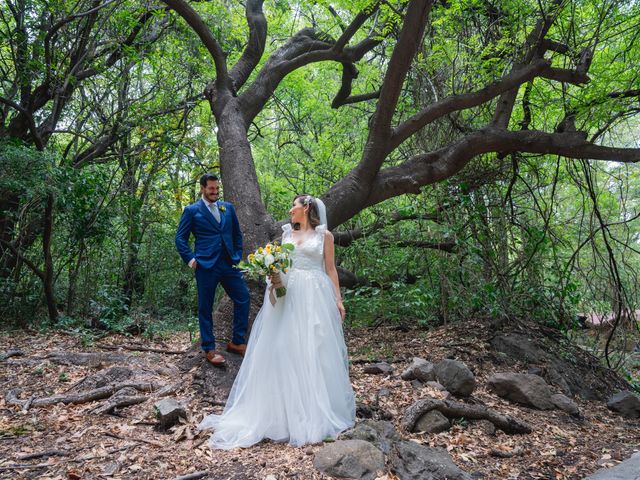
<point>419,369</point>
<point>486,426</point>
<point>529,390</point>
<point>378,368</point>
<point>432,422</point>
<point>168,411</point>
<point>349,459</point>
<point>627,470</point>
<point>565,404</point>
<point>555,378</point>
<point>417,384</point>
<point>455,377</point>
<point>410,461</point>
<point>383,392</point>
<point>381,433</point>
<point>626,403</point>
<point>436,385</point>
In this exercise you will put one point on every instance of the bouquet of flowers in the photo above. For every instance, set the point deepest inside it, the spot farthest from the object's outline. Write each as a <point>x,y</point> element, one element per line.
<point>271,259</point>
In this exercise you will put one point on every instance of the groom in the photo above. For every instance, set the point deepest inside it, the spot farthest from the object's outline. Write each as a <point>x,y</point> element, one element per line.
<point>218,248</point>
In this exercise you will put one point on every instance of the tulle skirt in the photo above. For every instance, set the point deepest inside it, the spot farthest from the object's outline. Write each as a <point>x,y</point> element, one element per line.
<point>293,385</point>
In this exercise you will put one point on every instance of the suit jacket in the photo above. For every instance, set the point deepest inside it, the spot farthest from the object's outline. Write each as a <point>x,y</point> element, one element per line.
<point>211,237</point>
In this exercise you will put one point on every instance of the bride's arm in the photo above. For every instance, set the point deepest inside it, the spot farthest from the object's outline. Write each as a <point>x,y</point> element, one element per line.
<point>330,268</point>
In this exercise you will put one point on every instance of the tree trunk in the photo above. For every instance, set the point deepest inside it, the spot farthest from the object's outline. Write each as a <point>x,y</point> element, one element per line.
<point>48,260</point>
<point>74,270</point>
<point>239,178</point>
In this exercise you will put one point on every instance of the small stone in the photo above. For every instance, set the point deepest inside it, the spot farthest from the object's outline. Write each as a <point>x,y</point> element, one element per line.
<point>378,368</point>
<point>384,392</point>
<point>168,411</point>
<point>486,426</point>
<point>420,369</point>
<point>432,422</point>
<point>309,451</point>
<point>111,469</point>
<point>436,385</point>
<point>417,384</point>
<point>270,477</point>
<point>565,404</point>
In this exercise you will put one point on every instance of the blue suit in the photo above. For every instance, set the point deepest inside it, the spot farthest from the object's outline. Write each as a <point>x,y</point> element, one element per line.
<point>218,248</point>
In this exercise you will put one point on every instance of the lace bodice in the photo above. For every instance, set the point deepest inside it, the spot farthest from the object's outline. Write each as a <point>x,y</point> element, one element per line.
<point>309,254</point>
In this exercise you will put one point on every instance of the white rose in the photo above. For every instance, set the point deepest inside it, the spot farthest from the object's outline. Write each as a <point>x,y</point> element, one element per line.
<point>268,259</point>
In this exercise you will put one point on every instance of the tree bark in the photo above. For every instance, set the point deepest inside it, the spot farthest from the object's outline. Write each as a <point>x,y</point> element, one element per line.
<point>48,260</point>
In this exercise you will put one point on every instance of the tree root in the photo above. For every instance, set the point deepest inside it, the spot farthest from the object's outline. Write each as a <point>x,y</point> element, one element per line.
<point>91,359</point>
<point>140,348</point>
<point>76,398</point>
<point>194,475</point>
<point>452,409</point>
<point>124,397</point>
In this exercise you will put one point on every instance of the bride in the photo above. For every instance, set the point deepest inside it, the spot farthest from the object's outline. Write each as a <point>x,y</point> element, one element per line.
<point>293,385</point>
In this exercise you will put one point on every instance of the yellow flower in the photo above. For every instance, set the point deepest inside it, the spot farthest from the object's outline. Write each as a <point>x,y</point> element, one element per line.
<point>268,248</point>
<point>251,257</point>
<point>260,250</point>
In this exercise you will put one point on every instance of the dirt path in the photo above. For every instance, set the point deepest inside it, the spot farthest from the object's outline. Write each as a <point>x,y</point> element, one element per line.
<point>72,441</point>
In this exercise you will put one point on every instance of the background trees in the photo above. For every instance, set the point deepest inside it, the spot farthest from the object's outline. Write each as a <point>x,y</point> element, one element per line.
<point>453,143</point>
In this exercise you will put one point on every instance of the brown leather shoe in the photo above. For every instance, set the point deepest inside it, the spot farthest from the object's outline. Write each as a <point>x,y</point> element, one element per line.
<point>214,358</point>
<point>235,348</point>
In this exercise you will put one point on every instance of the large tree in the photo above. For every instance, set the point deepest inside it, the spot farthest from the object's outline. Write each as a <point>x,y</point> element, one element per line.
<point>397,32</point>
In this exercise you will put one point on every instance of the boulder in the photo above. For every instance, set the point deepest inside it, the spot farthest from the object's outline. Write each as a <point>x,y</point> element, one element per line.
<point>420,369</point>
<point>381,433</point>
<point>529,390</point>
<point>350,459</point>
<point>168,411</point>
<point>626,403</point>
<point>432,422</point>
<point>565,404</point>
<point>455,377</point>
<point>410,461</point>
<point>627,470</point>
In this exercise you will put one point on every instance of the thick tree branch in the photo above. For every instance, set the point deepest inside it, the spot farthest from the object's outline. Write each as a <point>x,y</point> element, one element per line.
<point>534,47</point>
<point>448,246</point>
<point>626,94</point>
<point>355,99</point>
<point>255,47</point>
<point>438,165</point>
<point>196,23</point>
<point>566,76</point>
<point>37,140</point>
<point>355,25</point>
<point>399,63</point>
<point>467,100</point>
<point>306,47</point>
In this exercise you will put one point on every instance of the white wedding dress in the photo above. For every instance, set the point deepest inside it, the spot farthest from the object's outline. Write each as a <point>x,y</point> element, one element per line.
<point>293,385</point>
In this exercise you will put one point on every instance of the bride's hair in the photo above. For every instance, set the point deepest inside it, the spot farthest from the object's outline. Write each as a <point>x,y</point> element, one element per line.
<point>314,216</point>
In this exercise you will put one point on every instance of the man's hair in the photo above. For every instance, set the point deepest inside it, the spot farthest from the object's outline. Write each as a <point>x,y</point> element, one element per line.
<point>207,177</point>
